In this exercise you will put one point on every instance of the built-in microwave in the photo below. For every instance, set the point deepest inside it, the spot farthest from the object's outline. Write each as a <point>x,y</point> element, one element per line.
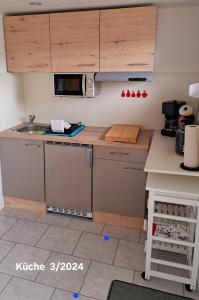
<point>74,84</point>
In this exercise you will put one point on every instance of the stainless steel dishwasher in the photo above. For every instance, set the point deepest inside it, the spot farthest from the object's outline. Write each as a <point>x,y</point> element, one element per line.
<point>68,178</point>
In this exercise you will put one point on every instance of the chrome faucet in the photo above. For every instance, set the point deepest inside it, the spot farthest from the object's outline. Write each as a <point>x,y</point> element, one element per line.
<point>31,119</point>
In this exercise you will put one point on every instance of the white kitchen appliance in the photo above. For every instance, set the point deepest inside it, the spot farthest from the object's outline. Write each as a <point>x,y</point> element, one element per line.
<point>75,85</point>
<point>194,92</point>
<point>68,178</point>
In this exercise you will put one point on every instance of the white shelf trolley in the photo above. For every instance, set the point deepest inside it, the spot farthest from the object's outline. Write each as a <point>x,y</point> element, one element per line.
<point>172,245</point>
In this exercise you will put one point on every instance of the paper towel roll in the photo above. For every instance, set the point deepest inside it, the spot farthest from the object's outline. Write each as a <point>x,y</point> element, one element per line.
<point>191,146</point>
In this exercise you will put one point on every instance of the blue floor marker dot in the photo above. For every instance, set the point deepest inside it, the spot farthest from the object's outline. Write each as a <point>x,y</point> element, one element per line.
<point>75,295</point>
<point>106,238</point>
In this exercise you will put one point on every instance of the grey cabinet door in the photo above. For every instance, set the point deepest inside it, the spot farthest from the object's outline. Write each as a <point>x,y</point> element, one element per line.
<point>119,187</point>
<point>22,163</point>
<point>68,173</point>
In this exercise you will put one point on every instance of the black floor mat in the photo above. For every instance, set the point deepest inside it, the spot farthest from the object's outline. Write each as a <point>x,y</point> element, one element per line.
<point>120,290</point>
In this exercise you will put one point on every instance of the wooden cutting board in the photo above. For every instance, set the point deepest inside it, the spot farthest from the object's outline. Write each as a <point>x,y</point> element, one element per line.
<point>123,133</point>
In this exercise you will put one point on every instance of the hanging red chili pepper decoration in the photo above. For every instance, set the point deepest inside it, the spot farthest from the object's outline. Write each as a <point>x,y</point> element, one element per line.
<point>123,94</point>
<point>128,94</point>
<point>144,94</point>
<point>138,94</point>
<point>133,94</point>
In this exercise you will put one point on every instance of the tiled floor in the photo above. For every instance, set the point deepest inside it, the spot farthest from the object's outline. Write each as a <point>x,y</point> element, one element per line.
<point>50,239</point>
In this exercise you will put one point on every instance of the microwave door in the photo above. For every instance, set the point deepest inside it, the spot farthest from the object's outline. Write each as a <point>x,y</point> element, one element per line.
<point>69,85</point>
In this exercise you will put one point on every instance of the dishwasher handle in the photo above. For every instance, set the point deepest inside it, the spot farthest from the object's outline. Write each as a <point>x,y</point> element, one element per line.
<point>90,157</point>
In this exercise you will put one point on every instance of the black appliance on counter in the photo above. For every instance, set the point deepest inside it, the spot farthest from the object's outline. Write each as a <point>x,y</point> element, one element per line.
<point>171,111</point>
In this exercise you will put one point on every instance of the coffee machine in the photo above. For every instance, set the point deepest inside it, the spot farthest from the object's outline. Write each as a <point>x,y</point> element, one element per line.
<point>186,117</point>
<point>171,111</point>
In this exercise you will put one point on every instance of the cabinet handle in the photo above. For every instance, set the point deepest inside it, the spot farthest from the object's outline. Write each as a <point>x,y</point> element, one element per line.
<point>132,169</point>
<point>32,146</point>
<point>84,85</point>
<point>119,153</point>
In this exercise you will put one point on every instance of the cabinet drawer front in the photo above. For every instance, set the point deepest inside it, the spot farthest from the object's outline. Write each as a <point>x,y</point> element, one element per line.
<point>12,144</point>
<point>121,154</point>
<point>119,187</point>
<point>31,143</point>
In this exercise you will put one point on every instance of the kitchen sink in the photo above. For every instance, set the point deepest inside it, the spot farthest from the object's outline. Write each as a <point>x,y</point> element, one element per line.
<point>33,128</point>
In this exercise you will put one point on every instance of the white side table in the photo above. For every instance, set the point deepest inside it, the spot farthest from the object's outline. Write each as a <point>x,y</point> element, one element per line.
<point>173,210</point>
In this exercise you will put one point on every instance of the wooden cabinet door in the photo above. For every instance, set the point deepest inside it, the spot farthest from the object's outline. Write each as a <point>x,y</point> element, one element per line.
<point>75,41</point>
<point>27,43</point>
<point>119,187</point>
<point>22,163</point>
<point>127,39</point>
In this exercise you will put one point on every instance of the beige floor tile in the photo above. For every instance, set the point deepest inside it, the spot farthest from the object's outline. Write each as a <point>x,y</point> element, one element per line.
<point>93,247</point>
<point>21,254</point>
<point>86,225</point>
<point>193,295</point>
<point>5,247</point>
<point>20,289</point>
<point>67,280</point>
<point>99,278</point>
<point>54,219</point>
<point>62,295</point>
<point>159,284</point>
<point>25,232</point>
<point>130,255</point>
<point>122,233</point>
<point>60,239</point>
<point>3,281</point>
<point>5,224</point>
<point>22,214</point>
<point>4,211</point>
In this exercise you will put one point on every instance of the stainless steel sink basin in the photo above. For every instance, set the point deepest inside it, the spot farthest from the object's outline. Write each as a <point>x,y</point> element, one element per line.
<point>33,128</point>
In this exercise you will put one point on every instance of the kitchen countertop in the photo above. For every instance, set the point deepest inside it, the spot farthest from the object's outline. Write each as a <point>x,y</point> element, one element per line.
<point>163,159</point>
<point>90,135</point>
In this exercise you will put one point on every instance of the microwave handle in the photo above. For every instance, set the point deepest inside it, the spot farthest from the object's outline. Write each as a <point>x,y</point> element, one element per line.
<point>84,85</point>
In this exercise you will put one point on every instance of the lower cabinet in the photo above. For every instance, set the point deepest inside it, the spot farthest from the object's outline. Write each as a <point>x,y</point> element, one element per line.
<point>119,187</point>
<point>116,184</point>
<point>22,163</point>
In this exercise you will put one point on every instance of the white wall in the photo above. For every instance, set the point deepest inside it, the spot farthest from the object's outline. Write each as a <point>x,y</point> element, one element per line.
<point>11,100</point>
<point>108,107</point>
<point>11,96</point>
<point>11,106</point>
<point>176,66</point>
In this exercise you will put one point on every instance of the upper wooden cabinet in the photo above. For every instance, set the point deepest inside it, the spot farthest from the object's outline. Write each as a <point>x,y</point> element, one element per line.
<point>127,39</point>
<point>75,41</point>
<point>27,43</point>
<point>112,40</point>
